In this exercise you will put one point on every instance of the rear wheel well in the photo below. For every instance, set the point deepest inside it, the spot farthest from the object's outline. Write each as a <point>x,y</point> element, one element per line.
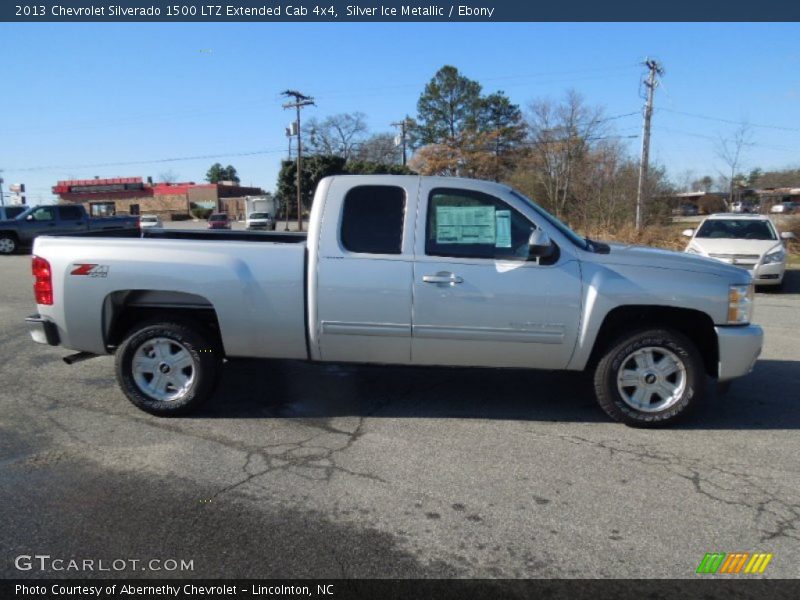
<point>122,311</point>
<point>694,324</point>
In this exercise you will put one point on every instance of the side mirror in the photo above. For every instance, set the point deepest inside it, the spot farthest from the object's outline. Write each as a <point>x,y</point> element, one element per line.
<point>539,244</point>
<point>687,233</point>
<point>788,235</point>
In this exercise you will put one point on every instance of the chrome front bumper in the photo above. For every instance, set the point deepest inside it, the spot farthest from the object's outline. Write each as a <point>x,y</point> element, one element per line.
<point>739,347</point>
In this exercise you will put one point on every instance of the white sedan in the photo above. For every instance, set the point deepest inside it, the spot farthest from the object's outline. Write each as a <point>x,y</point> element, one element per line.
<point>747,241</point>
<point>150,222</point>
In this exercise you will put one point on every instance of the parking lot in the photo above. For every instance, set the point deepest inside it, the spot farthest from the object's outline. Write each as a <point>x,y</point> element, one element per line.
<point>300,470</point>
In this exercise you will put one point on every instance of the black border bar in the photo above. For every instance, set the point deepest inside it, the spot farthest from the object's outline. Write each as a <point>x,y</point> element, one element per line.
<point>388,11</point>
<point>743,588</point>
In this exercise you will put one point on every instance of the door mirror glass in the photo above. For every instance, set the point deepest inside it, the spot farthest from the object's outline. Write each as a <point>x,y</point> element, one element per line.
<point>539,244</point>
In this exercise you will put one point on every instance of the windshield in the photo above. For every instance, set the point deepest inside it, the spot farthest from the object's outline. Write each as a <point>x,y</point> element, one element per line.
<point>573,237</point>
<point>736,229</point>
<point>259,215</point>
<point>218,218</point>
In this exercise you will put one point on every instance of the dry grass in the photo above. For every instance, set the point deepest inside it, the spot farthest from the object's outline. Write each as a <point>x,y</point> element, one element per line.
<point>659,236</point>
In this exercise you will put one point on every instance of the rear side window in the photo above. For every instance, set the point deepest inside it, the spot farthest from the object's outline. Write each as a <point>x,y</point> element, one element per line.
<point>372,219</point>
<point>71,213</point>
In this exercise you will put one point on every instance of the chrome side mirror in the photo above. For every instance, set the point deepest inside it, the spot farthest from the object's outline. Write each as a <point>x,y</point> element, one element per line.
<point>788,235</point>
<point>539,244</point>
<point>687,233</point>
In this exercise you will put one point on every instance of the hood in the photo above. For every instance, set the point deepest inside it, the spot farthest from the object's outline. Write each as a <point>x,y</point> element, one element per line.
<point>734,246</point>
<point>645,256</point>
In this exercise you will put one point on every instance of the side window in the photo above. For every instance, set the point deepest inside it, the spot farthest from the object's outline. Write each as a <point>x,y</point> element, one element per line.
<point>372,219</point>
<point>468,224</point>
<point>43,213</point>
<point>71,213</point>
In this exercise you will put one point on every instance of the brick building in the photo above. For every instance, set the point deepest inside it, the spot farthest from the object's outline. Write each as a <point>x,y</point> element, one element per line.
<point>171,201</point>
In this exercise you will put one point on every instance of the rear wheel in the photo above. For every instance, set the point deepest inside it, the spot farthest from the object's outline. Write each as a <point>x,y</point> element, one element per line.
<point>8,244</point>
<point>650,377</point>
<point>168,368</point>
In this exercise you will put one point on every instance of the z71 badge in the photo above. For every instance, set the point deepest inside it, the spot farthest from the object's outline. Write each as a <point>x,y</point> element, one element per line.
<point>90,270</point>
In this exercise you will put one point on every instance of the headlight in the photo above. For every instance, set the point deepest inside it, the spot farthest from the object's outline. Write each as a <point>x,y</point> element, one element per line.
<point>740,304</point>
<point>775,256</point>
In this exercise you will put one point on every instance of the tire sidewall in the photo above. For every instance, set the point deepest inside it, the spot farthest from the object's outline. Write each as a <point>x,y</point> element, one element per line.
<point>606,378</point>
<point>203,356</point>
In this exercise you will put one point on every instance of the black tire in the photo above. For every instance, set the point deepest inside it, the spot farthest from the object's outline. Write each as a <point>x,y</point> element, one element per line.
<point>8,244</point>
<point>171,344</point>
<point>624,355</point>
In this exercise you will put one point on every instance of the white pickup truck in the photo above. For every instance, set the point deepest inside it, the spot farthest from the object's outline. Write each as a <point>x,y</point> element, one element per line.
<point>400,270</point>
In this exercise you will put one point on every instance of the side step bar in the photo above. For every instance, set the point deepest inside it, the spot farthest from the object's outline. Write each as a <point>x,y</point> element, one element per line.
<point>78,357</point>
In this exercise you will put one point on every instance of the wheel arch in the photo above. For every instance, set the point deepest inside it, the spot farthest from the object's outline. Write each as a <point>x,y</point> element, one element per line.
<point>123,309</point>
<point>694,324</point>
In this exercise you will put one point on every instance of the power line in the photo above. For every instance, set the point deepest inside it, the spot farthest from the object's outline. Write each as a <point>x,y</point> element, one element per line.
<point>145,162</point>
<point>728,121</point>
<point>716,139</point>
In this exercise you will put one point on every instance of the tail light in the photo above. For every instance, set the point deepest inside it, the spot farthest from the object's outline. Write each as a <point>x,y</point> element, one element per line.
<point>43,286</point>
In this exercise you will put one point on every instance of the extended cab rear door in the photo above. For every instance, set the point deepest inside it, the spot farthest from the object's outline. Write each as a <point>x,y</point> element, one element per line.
<point>360,304</point>
<point>479,299</point>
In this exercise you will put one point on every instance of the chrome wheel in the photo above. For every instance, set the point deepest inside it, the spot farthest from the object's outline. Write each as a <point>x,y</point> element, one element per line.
<point>163,369</point>
<point>651,379</point>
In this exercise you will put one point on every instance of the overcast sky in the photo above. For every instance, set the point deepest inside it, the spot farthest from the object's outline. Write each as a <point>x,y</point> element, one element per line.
<point>79,96</point>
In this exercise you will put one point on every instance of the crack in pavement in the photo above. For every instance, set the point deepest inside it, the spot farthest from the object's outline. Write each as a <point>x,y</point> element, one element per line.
<point>784,513</point>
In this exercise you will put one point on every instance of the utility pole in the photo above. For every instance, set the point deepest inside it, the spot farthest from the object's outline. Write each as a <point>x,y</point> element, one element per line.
<point>2,200</point>
<point>300,101</point>
<point>403,125</point>
<point>651,83</point>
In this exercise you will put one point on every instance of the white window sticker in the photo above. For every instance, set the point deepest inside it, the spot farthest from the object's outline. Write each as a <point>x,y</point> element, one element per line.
<point>503,225</point>
<point>465,225</point>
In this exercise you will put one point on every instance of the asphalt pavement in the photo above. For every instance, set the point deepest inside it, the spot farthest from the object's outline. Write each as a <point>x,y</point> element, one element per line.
<point>299,470</point>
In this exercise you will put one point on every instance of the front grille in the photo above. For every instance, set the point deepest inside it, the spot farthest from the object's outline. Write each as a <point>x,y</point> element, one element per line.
<point>738,259</point>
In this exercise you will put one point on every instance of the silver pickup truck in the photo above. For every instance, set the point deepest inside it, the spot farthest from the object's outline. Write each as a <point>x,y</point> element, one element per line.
<point>401,270</point>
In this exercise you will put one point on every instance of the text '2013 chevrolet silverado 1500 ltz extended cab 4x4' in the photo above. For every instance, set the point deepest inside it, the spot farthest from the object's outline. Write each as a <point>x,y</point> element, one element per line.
<point>400,270</point>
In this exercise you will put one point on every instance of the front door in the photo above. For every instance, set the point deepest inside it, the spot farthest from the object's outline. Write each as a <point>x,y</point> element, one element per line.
<point>478,298</point>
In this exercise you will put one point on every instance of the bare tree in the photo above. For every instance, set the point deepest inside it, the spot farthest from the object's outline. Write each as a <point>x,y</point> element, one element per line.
<point>731,151</point>
<point>560,136</point>
<point>337,135</point>
<point>168,177</point>
<point>379,148</point>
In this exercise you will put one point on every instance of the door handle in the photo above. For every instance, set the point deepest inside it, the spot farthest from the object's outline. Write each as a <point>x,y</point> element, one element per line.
<point>448,278</point>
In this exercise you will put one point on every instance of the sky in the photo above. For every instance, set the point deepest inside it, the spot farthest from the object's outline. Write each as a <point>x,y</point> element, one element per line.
<point>122,100</point>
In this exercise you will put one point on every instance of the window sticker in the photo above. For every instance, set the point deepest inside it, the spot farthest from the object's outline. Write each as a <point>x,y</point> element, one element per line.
<point>503,225</point>
<point>465,225</point>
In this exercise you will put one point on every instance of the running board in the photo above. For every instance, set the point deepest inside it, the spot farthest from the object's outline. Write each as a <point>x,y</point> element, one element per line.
<point>78,357</point>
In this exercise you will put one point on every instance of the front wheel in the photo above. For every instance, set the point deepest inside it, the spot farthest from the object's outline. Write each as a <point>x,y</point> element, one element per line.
<point>8,244</point>
<point>168,368</point>
<point>649,378</point>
